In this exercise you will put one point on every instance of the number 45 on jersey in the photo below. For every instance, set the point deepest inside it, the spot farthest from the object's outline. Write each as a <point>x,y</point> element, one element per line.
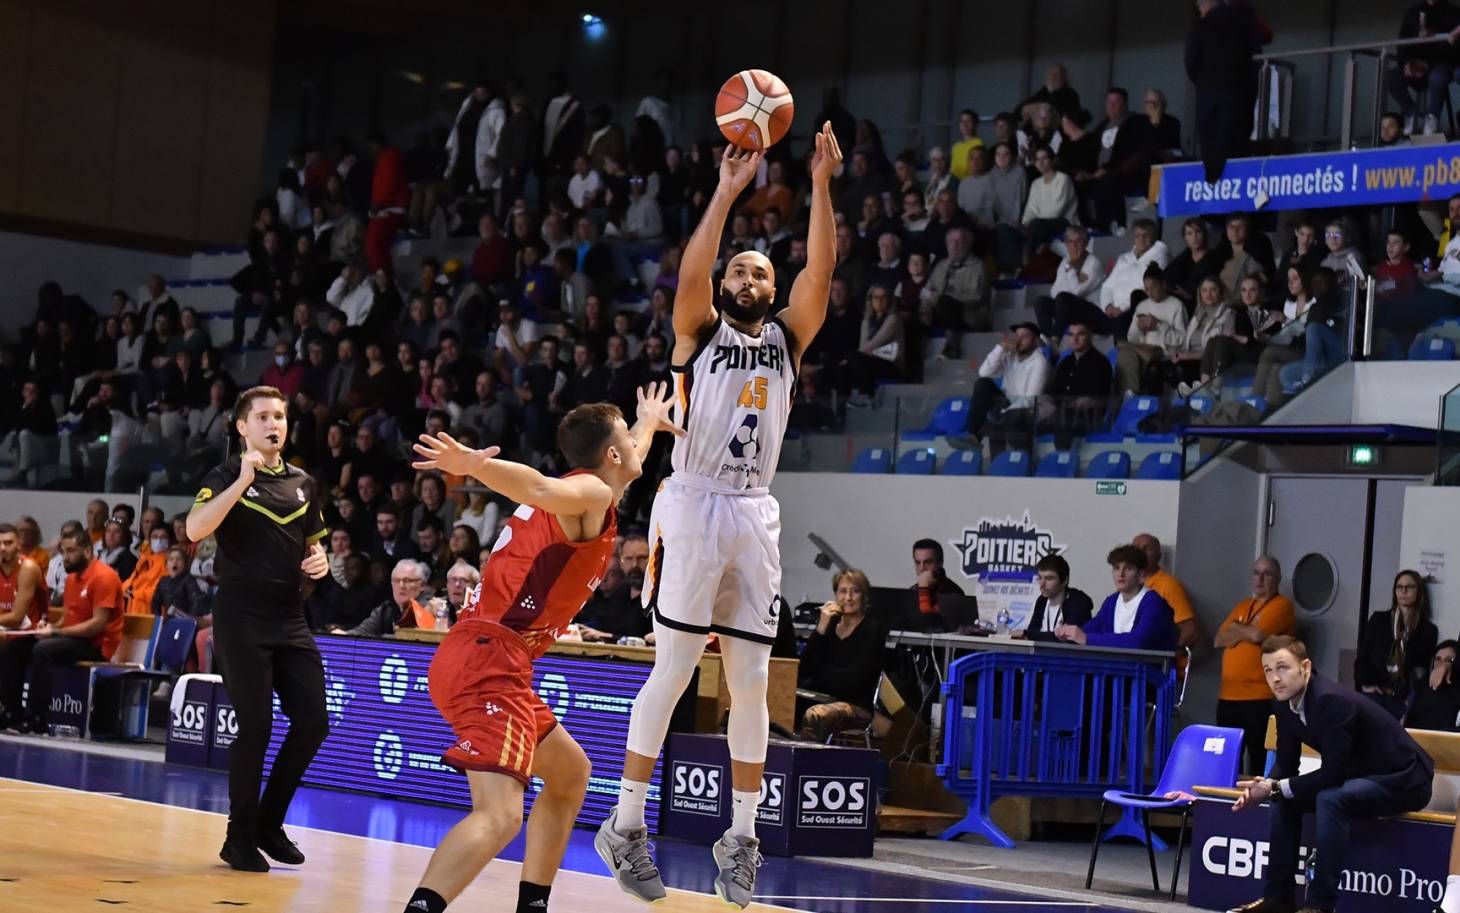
<point>753,395</point>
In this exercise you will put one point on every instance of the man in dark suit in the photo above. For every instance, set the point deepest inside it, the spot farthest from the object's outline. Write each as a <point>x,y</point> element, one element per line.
<point>1058,602</point>
<point>1371,768</point>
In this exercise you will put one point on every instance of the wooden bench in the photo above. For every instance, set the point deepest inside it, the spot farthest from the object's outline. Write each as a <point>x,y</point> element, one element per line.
<point>1442,747</point>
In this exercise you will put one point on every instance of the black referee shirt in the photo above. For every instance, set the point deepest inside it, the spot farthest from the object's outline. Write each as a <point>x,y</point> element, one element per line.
<point>263,539</point>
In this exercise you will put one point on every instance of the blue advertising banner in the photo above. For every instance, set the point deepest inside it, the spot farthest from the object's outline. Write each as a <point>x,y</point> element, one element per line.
<point>1393,866</point>
<point>1397,174</point>
<point>386,736</point>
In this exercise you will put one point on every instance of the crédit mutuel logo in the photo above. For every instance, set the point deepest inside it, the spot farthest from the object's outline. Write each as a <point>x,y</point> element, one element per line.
<point>1005,547</point>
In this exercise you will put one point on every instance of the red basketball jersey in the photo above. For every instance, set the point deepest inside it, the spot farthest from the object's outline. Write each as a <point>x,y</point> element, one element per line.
<point>40,600</point>
<point>537,579</point>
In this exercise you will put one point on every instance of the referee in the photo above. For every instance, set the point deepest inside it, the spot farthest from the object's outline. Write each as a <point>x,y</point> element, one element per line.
<point>267,519</point>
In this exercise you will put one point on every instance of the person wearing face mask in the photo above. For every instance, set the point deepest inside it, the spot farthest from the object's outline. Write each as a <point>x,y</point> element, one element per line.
<point>284,373</point>
<point>842,661</point>
<point>151,568</point>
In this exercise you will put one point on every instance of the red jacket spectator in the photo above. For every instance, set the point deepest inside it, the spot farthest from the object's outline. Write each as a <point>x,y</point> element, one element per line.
<point>390,196</point>
<point>287,379</point>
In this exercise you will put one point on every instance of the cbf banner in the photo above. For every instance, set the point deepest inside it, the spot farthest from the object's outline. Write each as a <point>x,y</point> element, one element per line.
<point>1398,174</point>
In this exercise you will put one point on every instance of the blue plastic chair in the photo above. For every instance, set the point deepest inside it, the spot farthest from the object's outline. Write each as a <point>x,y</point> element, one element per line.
<point>1110,464</point>
<point>1133,411</point>
<point>1200,405</point>
<point>1011,464</point>
<point>1434,348</point>
<point>916,463</point>
<point>950,417</point>
<point>1164,466</point>
<point>1061,464</point>
<point>1257,402</point>
<point>964,463</point>
<point>874,460</point>
<point>1202,756</point>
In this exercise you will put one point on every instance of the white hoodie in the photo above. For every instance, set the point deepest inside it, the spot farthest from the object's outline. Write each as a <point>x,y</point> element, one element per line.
<point>1129,275</point>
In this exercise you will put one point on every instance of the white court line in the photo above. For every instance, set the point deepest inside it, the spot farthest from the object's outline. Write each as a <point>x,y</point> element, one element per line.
<point>302,827</point>
<point>948,900</point>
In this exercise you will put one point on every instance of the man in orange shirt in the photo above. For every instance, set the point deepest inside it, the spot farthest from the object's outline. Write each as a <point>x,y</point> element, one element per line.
<point>1245,701</point>
<point>96,517</point>
<point>1169,588</point>
<point>90,630</point>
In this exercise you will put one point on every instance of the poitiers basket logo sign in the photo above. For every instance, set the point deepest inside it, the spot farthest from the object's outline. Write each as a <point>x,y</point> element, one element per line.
<point>1005,547</point>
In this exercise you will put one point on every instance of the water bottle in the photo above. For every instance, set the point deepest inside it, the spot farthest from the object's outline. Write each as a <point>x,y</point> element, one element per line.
<point>443,617</point>
<point>1003,621</point>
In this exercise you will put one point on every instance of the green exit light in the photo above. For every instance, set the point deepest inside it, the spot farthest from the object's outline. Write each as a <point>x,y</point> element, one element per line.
<point>1363,455</point>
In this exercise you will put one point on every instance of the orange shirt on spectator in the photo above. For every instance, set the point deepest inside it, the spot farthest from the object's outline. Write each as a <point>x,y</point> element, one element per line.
<point>1171,590</point>
<point>97,587</point>
<point>40,556</point>
<point>1242,677</point>
<point>150,569</point>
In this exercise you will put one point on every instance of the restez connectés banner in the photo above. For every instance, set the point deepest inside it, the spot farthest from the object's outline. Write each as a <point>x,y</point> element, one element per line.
<point>386,736</point>
<point>1396,174</point>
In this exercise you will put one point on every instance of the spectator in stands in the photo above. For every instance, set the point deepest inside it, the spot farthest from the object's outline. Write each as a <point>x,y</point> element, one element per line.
<point>872,226</point>
<point>1158,328</point>
<point>958,291</point>
<point>1127,277</point>
<point>1211,336</point>
<point>90,630</point>
<point>1052,204</point>
<point>976,195</point>
<point>1076,290</point>
<point>1081,388</point>
<point>341,547</point>
<point>1168,588</point>
<point>842,661</point>
<point>850,267</point>
<point>115,549</point>
<point>1285,338</point>
<point>1056,91</point>
<point>1344,256</point>
<point>488,416</point>
<point>400,610</point>
<point>32,439</point>
<point>931,582</point>
<point>1396,645</point>
<point>179,594</point>
<point>348,603</point>
<point>1383,773</point>
<point>775,193</point>
<point>32,546</point>
<point>1041,128</point>
<point>1396,278</point>
<point>1391,131</point>
<point>1134,617</point>
<point>151,568</point>
<point>1058,603</point>
<point>940,179</point>
<point>491,261</point>
<point>1305,250</point>
<point>460,581</point>
<point>1079,154</point>
<point>472,146</point>
<point>464,544</point>
<point>889,270</point>
<point>613,611</point>
<point>430,491</point>
<point>392,542</point>
<point>96,517</point>
<point>1187,269</point>
<point>640,232</point>
<point>1009,407</point>
<point>775,237</point>
<point>1424,70</point>
<point>587,383</point>
<point>434,552</point>
<point>1244,254</point>
<point>1009,182</point>
<point>1120,161</point>
<point>1245,700</point>
<point>859,182</point>
<point>284,373</point>
<point>1219,51</point>
<point>1436,703</point>
<point>1323,341</point>
<point>882,353</point>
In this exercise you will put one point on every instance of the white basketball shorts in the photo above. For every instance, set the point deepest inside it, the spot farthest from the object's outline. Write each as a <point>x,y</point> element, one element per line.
<point>714,560</point>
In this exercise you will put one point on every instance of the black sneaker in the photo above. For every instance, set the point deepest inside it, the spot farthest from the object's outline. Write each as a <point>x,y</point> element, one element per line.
<point>280,848</point>
<point>242,855</point>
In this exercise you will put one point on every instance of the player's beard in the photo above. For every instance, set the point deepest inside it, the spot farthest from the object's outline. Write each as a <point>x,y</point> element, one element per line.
<point>741,313</point>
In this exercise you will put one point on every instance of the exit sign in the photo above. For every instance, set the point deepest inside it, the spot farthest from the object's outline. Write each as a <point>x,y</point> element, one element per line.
<point>1110,488</point>
<point>1363,456</point>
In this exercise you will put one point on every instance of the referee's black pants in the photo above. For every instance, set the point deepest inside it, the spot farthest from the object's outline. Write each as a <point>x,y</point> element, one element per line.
<point>261,651</point>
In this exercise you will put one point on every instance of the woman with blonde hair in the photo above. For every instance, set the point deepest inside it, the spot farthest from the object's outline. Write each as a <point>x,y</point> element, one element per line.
<point>842,661</point>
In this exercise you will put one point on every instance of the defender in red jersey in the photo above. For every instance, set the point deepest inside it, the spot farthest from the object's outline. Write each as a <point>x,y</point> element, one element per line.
<point>546,563</point>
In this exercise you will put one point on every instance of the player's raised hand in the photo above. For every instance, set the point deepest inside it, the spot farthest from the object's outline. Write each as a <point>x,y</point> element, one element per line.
<point>828,157</point>
<point>449,455</point>
<point>738,166</point>
<point>655,401</point>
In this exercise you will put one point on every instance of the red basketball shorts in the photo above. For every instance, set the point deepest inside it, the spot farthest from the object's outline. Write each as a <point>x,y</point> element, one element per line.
<point>481,682</point>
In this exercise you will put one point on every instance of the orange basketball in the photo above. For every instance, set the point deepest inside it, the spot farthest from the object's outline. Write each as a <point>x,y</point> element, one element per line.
<point>754,109</point>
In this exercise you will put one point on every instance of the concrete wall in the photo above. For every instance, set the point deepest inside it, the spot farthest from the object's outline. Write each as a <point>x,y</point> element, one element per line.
<point>1430,544</point>
<point>145,118</point>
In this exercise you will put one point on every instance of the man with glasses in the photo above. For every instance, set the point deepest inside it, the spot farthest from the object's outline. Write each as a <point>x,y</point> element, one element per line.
<point>401,610</point>
<point>1245,701</point>
<point>1075,295</point>
<point>1436,703</point>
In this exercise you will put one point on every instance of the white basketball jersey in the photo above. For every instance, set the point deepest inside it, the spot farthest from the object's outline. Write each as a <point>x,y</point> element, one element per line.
<point>733,398</point>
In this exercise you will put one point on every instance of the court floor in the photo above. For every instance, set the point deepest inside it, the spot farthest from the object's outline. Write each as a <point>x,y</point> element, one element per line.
<point>90,832</point>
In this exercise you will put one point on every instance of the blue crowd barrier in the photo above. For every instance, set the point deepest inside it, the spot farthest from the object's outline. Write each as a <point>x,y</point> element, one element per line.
<point>1047,725</point>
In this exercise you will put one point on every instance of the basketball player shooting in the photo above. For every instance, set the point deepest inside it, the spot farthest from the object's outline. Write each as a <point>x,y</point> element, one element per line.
<point>715,563</point>
<point>546,563</point>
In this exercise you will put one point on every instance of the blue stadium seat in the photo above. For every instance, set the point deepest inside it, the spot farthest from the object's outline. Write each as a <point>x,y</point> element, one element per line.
<point>1200,405</point>
<point>1163,465</point>
<point>873,459</point>
<point>1011,463</point>
<point>1111,356</point>
<point>916,463</point>
<point>951,417</point>
<point>1257,402</point>
<point>1110,464</point>
<point>1061,464</point>
<point>1432,348</point>
<point>1133,411</point>
<point>964,463</point>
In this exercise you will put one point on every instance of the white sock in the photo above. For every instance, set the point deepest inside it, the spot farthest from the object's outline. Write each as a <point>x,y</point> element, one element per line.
<point>631,796</point>
<point>742,824</point>
<point>1451,903</point>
